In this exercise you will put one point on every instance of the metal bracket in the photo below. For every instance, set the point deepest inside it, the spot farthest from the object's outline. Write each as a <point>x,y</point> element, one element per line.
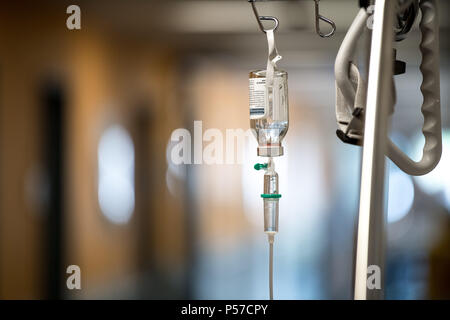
<point>263,18</point>
<point>324,19</point>
<point>318,18</point>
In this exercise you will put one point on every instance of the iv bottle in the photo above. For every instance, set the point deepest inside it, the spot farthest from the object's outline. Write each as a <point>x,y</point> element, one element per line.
<point>269,111</point>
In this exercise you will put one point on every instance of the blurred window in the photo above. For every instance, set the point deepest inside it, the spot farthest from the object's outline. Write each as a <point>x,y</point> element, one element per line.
<point>116,174</point>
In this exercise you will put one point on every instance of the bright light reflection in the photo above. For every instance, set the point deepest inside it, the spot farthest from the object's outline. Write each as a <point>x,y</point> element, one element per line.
<point>116,175</point>
<point>401,194</point>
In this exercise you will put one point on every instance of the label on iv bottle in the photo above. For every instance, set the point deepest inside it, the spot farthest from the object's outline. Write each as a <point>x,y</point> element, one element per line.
<point>257,97</point>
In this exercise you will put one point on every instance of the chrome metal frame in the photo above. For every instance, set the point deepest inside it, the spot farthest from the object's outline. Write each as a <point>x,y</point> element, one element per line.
<point>372,218</point>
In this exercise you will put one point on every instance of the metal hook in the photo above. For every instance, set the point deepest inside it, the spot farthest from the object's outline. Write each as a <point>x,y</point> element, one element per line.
<point>320,17</point>
<point>264,18</point>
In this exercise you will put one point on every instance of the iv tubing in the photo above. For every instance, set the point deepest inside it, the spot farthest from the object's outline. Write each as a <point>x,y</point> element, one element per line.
<point>271,240</point>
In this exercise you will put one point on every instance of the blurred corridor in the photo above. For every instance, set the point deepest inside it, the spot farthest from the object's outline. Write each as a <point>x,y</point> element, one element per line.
<point>86,178</point>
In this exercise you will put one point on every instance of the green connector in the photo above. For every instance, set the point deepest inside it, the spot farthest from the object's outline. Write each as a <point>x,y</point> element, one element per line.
<point>260,166</point>
<point>271,196</point>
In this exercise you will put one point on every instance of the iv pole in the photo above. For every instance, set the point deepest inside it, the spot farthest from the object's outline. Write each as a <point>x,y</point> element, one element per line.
<point>371,223</point>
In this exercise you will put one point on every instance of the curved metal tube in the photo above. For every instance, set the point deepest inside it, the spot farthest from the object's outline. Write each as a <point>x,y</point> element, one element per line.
<point>429,47</point>
<point>346,55</point>
<point>431,108</point>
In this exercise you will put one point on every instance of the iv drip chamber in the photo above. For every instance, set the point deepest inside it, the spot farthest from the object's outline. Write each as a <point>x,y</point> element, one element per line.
<point>270,196</point>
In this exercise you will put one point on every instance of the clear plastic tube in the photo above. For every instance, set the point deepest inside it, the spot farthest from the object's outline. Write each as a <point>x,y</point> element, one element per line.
<point>271,240</point>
